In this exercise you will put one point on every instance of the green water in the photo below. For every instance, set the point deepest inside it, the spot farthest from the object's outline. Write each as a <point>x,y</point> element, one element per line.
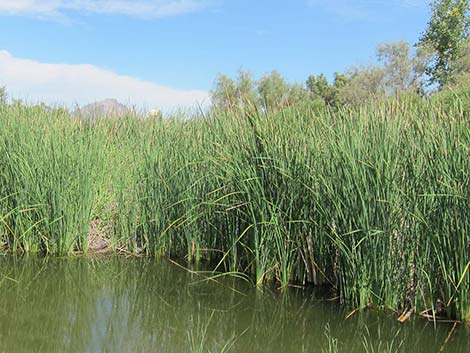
<point>137,305</point>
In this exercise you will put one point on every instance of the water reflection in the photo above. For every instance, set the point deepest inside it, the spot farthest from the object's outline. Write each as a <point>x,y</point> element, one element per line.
<point>139,305</point>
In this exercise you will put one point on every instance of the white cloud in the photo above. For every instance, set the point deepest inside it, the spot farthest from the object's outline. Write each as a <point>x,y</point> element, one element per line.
<point>61,84</point>
<point>138,8</point>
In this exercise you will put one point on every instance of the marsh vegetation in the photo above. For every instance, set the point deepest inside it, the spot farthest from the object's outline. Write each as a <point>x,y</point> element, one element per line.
<point>370,202</point>
<point>266,221</point>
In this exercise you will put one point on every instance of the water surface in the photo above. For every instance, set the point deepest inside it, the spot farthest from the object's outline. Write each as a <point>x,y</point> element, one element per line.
<point>140,305</point>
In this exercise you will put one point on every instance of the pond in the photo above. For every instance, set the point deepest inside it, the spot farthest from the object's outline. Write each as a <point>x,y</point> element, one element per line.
<point>117,304</point>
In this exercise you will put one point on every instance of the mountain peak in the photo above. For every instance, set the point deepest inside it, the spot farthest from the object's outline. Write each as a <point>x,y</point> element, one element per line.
<point>106,108</point>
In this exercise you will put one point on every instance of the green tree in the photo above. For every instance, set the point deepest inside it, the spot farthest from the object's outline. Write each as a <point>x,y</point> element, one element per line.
<point>228,93</point>
<point>362,84</point>
<point>246,88</point>
<point>461,72</point>
<point>223,94</point>
<point>446,33</point>
<point>340,80</point>
<point>397,65</point>
<point>400,70</point>
<point>322,91</point>
<point>273,91</point>
<point>403,71</point>
<point>298,94</point>
<point>320,88</point>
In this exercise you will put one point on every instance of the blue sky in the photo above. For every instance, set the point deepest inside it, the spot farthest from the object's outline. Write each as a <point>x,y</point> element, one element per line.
<point>181,45</point>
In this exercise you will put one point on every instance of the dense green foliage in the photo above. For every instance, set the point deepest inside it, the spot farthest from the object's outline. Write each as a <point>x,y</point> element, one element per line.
<point>400,69</point>
<point>440,60</point>
<point>372,201</point>
<point>447,31</point>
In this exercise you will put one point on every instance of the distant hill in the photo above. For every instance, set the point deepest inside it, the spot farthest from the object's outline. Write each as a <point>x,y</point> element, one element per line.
<point>103,109</point>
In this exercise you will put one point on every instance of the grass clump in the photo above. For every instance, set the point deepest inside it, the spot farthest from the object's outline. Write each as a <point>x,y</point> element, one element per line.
<point>371,201</point>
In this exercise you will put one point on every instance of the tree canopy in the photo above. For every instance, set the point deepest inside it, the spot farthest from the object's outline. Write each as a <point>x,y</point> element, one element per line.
<point>440,59</point>
<point>446,34</point>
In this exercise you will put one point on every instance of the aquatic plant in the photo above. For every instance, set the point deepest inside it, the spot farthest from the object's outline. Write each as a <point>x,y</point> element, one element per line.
<point>372,201</point>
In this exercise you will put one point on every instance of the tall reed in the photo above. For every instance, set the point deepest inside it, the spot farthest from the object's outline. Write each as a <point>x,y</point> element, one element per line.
<point>372,201</point>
